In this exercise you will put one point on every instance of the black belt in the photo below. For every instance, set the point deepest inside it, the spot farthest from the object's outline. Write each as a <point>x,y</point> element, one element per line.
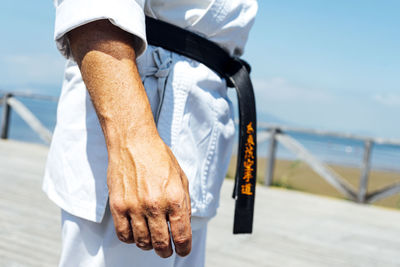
<point>236,73</point>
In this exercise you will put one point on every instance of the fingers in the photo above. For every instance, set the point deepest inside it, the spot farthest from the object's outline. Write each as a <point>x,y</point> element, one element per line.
<point>141,232</point>
<point>160,237</point>
<point>181,231</point>
<point>122,226</point>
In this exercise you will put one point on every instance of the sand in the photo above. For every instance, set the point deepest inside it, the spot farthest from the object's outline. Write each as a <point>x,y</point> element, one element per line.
<point>297,175</point>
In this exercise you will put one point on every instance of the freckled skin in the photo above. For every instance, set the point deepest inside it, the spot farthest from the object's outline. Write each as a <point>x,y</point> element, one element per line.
<point>147,187</point>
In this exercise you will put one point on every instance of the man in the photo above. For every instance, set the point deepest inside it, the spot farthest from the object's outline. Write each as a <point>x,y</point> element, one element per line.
<point>143,135</point>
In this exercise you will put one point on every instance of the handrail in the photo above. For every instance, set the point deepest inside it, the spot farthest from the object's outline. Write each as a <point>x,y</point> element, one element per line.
<point>318,166</point>
<point>275,132</point>
<point>30,119</point>
<point>8,101</point>
<point>381,141</point>
<point>278,133</point>
<point>30,95</point>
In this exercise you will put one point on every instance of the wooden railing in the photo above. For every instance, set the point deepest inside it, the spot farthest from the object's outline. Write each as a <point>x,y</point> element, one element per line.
<point>9,101</point>
<point>278,133</point>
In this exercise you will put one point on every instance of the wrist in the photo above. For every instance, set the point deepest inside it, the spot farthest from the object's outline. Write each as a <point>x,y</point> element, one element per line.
<point>121,138</point>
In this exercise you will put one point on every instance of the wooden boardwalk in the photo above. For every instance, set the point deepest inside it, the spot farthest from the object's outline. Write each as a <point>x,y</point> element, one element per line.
<point>291,228</point>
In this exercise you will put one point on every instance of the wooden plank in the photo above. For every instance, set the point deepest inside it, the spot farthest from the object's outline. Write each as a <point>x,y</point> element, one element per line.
<point>263,136</point>
<point>269,173</point>
<point>363,187</point>
<point>318,166</point>
<point>382,141</point>
<point>383,193</point>
<point>31,95</point>
<point>30,119</point>
<point>5,118</point>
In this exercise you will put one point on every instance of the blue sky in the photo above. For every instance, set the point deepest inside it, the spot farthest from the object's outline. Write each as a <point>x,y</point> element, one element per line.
<point>331,65</point>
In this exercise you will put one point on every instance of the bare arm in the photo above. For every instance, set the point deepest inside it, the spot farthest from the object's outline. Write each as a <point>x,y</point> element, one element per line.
<point>146,185</point>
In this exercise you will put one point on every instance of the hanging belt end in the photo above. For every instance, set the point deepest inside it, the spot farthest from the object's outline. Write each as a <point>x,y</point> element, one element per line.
<point>243,222</point>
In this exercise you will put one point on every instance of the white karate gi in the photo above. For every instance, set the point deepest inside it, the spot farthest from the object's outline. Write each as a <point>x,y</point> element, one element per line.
<point>189,102</point>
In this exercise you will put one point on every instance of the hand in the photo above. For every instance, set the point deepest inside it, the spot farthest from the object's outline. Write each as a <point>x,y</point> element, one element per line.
<point>147,189</point>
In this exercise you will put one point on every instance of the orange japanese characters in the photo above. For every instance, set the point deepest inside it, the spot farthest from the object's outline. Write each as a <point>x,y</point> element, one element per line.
<point>248,162</point>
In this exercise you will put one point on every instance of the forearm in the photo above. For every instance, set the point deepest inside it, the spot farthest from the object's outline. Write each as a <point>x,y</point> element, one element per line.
<point>106,58</point>
<point>146,185</point>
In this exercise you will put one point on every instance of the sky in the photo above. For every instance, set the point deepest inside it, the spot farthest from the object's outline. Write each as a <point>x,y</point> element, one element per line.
<point>332,65</point>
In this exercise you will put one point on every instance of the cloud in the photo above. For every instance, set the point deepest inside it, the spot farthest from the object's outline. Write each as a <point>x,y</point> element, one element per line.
<point>281,90</point>
<point>388,99</point>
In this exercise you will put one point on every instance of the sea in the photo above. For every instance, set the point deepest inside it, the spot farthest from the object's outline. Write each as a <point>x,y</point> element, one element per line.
<point>332,150</point>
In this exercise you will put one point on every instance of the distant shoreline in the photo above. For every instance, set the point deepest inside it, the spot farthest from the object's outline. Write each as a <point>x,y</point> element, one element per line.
<point>333,150</point>
<point>296,175</point>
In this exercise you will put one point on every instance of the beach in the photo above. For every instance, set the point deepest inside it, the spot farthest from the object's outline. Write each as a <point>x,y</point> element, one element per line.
<point>297,175</point>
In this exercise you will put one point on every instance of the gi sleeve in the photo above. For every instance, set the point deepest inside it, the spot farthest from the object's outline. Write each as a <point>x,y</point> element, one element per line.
<point>125,14</point>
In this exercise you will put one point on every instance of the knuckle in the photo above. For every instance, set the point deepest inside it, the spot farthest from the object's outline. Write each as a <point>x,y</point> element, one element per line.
<point>123,237</point>
<point>118,205</point>
<point>145,245</point>
<point>183,246</point>
<point>166,254</point>
<point>160,245</point>
<point>175,201</point>
<point>143,242</point>
<point>182,241</point>
<point>121,231</point>
<point>133,208</point>
<point>152,208</point>
<point>138,226</point>
<point>184,253</point>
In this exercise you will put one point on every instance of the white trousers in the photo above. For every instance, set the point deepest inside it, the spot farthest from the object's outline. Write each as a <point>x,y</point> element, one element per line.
<point>90,244</point>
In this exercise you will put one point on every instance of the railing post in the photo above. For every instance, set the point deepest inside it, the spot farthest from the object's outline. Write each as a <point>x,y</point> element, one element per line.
<point>5,120</point>
<point>269,172</point>
<point>363,187</point>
